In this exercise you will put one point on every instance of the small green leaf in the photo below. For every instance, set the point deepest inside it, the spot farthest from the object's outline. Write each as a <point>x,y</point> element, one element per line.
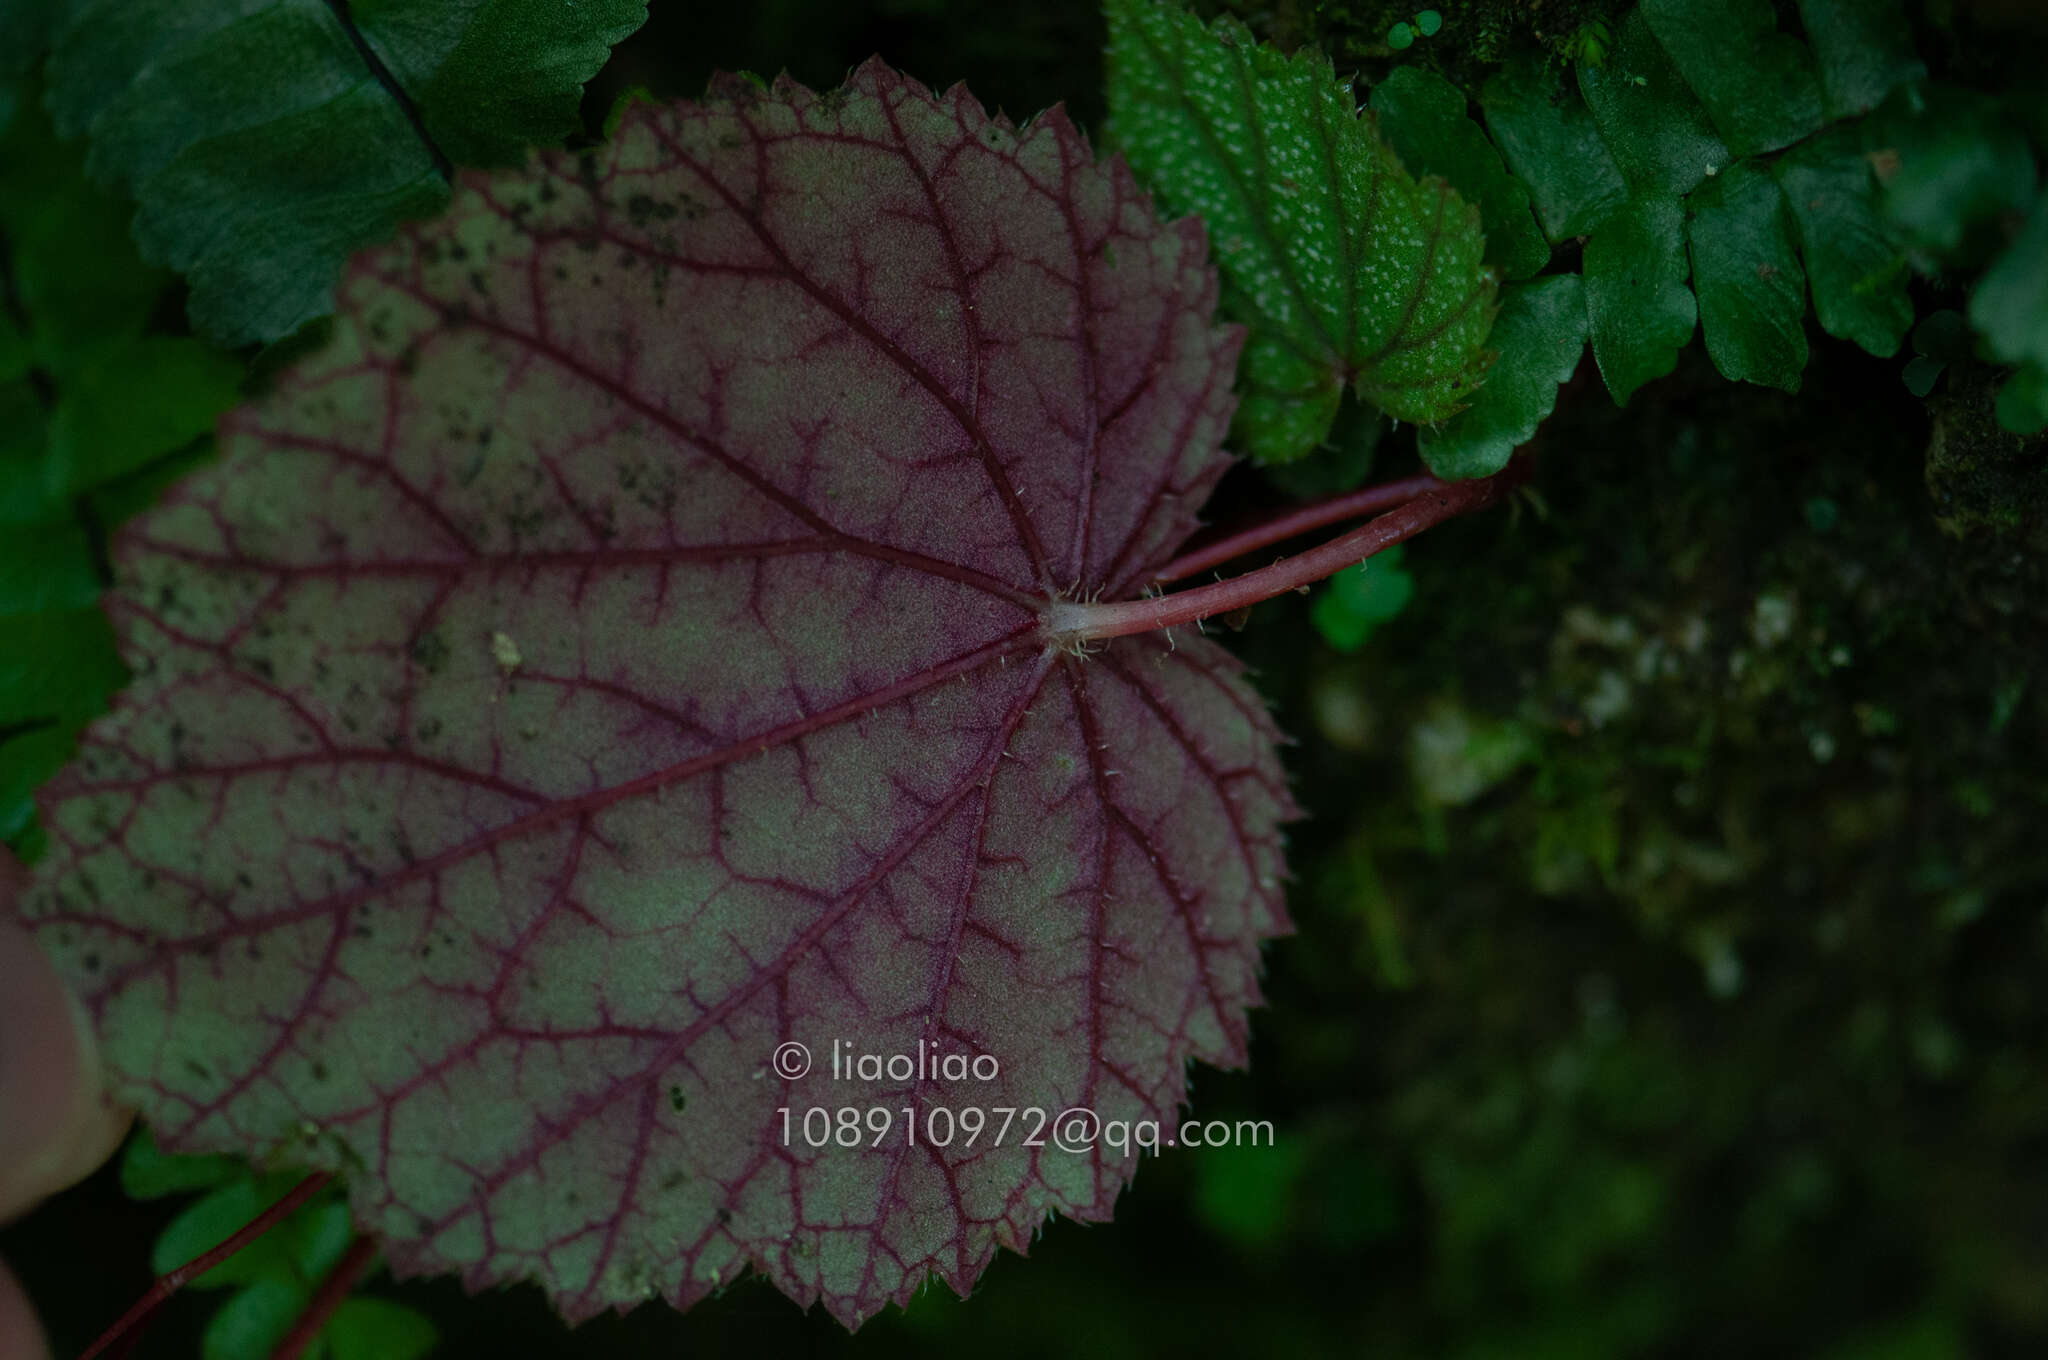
<point>1358,599</point>
<point>148,1172</point>
<point>2009,305</point>
<point>1942,335</point>
<point>1758,85</point>
<point>1853,262</point>
<point>1549,138</point>
<point>1540,333</point>
<point>113,417</point>
<point>1344,266</point>
<point>216,1217</point>
<point>1423,118</point>
<point>1429,23</point>
<point>1654,126</point>
<point>1921,374</point>
<point>250,1325</point>
<point>1400,37</point>
<point>378,1329</point>
<point>263,146</point>
<point>1638,306</point>
<point>1865,50</point>
<point>1752,295</point>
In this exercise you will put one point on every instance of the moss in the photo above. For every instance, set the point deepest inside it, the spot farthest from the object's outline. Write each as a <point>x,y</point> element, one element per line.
<point>1987,484</point>
<point>1729,974</point>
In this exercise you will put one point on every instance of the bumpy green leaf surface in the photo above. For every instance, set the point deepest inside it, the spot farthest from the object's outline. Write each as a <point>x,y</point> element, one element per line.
<point>1541,333</point>
<point>1345,267</point>
<point>1853,259</point>
<point>620,653</point>
<point>1757,83</point>
<point>1638,306</point>
<point>1650,120</point>
<point>1752,295</point>
<point>1423,118</point>
<point>1552,142</point>
<point>263,140</point>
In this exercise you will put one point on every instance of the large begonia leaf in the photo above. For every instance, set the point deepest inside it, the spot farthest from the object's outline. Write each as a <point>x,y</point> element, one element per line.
<point>1347,268</point>
<point>618,653</point>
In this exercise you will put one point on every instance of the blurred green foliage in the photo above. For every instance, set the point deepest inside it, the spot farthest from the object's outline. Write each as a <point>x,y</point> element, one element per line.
<point>101,403</point>
<point>274,1277</point>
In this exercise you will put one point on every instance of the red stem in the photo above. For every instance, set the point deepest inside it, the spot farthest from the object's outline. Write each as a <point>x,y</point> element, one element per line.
<point>1070,622</point>
<point>172,1281</point>
<point>1369,500</point>
<point>339,1284</point>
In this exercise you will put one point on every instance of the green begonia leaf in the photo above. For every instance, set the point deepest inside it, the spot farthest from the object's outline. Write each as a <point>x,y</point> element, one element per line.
<point>55,663</point>
<point>1758,84</point>
<point>264,140</point>
<point>15,355</point>
<point>139,401</point>
<point>1853,261</point>
<point>22,423</point>
<point>45,567</point>
<point>1864,48</point>
<point>1344,266</point>
<point>1423,118</point>
<point>1752,294</point>
<point>1652,123</point>
<point>1541,332</point>
<point>1550,139</point>
<point>1638,305</point>
<point>76,276</point>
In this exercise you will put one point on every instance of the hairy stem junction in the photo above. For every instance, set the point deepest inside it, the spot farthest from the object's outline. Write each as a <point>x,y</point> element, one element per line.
<point>1418,504</point>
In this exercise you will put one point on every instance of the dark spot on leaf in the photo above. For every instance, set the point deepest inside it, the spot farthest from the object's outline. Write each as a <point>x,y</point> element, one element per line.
<point>430,652</point>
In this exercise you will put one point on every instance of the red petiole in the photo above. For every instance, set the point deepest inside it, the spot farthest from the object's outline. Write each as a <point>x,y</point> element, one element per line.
<point>1069,623</point>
